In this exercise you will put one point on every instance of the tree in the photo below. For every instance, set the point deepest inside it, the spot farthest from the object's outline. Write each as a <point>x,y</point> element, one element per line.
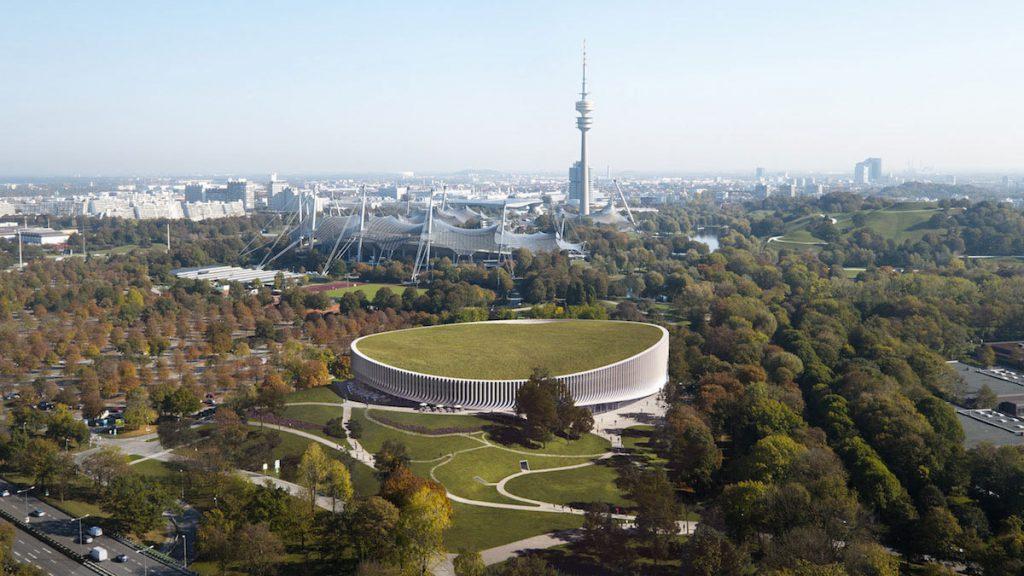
<point>216,539</point>
<point>136,504</point>
<point>657,512</point>
<point>538,405</point>
<point>176,432</point>
<point>338,483</point>
<point>469,563</point>
<point>421,526</point>
<point>138,413</point>
<point>259,549</point>
<point>709,553</point>
<point>605,539</point>
<point>65,429</point>
<point>373,522</point>
<point>869,559</point>
<point>528,566</point>
<point>105,464</point>
<point>391,456</point>
<point>312,472</point>
<point>986,398</point>
<point>986,356</point>
<point>694,457</point>
<point>181,402</point>
<point>335,428</point>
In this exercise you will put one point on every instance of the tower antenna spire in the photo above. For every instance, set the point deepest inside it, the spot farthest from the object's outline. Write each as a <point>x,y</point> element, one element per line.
<point>583,93</point>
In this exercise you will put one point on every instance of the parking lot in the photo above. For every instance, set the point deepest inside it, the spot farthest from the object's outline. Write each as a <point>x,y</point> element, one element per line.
<point>60,526</point>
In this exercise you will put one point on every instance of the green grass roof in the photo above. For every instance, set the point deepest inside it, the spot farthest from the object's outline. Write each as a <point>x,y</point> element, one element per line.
<point>506,351</point>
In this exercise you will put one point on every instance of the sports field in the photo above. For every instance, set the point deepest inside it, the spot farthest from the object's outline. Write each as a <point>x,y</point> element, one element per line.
<point>500,351</point>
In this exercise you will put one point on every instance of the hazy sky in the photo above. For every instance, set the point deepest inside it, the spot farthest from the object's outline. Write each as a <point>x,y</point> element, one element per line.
<point>233,87</point>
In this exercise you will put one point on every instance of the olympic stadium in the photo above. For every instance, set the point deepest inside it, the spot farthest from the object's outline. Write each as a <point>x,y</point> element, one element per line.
<point>481,365</point>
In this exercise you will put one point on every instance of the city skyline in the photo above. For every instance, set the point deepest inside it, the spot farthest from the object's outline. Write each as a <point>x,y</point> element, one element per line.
<point>327,89</point>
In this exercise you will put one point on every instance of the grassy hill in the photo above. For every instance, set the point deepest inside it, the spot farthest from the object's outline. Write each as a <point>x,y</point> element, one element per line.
<point>900,223</point>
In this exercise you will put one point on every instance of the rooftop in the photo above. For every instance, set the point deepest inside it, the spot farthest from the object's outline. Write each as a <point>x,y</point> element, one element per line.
<point>510,350</point>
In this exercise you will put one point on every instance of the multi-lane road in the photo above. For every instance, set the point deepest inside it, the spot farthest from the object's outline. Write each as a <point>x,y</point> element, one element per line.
<point>29,550</point>
<point>60,526</point>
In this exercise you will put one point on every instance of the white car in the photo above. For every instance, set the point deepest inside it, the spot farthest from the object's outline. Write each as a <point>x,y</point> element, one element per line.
<point>95,531</point>
<point>5,494</point>
<point>39,513</point>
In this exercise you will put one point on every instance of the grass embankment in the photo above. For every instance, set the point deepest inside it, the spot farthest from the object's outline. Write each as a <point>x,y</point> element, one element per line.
<point>578,487</point>
<point>899,223</point>
<point>469,473</point>
<point>478,528</point>
<point>498,351</point>
<point>369,290</point>
<point>319,394</point>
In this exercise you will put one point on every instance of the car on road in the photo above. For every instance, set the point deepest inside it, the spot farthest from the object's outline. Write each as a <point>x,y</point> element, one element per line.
<point>121,558</point>
<point>5,494</point>
<point>39,513</point>
<point>95,531</point>
<point>86,540</point>
<point>99,554</point>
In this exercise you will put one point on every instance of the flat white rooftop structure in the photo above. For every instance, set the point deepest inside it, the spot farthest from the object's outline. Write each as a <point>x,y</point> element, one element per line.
<point>232,274</point>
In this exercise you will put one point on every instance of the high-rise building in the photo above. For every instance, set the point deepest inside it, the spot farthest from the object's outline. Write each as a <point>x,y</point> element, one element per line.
<point>760,172</point>
<point>242,190</point>
<point>576,182</point>
<point>275,186</point>
<point>868,171</point>
<point>584,106</point>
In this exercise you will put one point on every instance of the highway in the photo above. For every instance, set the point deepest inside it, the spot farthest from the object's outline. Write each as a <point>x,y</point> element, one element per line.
<point>59,526</point>
<point>29,550</point>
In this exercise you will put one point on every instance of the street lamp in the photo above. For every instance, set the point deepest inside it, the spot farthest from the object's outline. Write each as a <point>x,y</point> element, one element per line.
<point>81,540</point>
<point>145,560</point>
<point>24,497</point>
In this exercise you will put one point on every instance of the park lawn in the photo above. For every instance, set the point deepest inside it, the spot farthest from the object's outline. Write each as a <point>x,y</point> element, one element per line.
<point>499,350</point>
<point>420,447</point>
<point>156,469</point>
<point>369,290</point>
<point>313,414</point>
<point>491,465</point>
<point>587,445</point>
<point>637,439</point>
<point>429,421</point>
<point>319,394</point>
<point>577,487</point>
<point>292,445</point>
<point>901,225</point>
<point>478,528</point>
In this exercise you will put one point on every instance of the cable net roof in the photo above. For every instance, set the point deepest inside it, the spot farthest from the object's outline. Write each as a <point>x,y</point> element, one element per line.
<point>392,232</point>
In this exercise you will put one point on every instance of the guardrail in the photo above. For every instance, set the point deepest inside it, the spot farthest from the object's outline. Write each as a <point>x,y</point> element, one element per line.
<point>155,555</point>
<point>97,568</point>
<point>39,534</point>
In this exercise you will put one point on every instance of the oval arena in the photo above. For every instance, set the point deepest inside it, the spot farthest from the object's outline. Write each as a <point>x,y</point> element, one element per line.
<point>481,365</point>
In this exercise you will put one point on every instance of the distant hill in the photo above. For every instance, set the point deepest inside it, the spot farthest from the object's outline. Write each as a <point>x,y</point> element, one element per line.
<point>934,190</point>
<point>899,223</point>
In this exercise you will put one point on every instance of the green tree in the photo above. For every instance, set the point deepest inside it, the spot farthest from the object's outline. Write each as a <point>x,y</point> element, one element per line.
<point>312,473</point>
<point>338,483</point>
<point>135,504</point>
<point>469,563</point>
